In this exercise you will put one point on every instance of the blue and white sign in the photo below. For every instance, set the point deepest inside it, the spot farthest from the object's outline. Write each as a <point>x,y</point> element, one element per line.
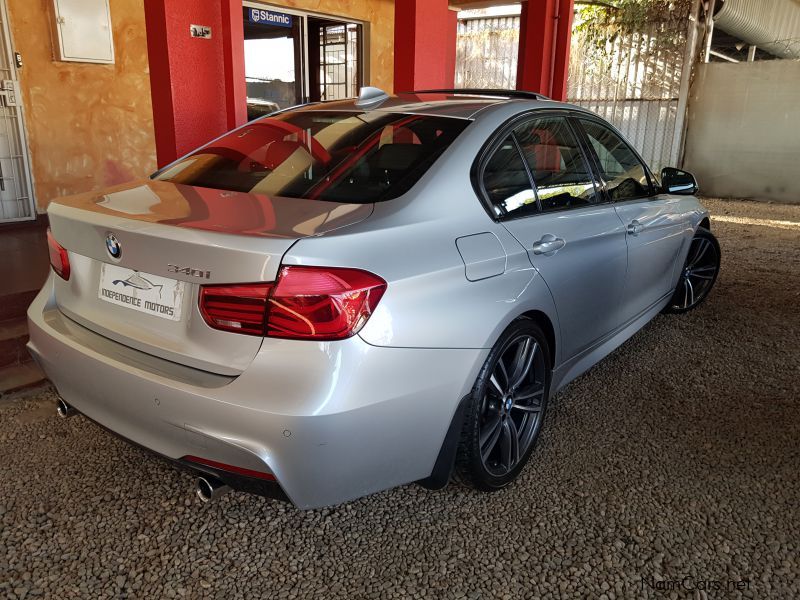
<point>269,17</point>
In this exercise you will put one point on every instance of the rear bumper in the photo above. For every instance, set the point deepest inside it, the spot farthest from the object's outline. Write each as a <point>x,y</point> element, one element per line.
<point>236,481</point>
<point>331,421</point>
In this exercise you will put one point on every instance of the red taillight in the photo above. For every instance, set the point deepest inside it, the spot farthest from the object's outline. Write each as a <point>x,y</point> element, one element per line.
<point>59,259</point>
<point>238,308</point>
<point>309,303</point>
<point>322,303</point>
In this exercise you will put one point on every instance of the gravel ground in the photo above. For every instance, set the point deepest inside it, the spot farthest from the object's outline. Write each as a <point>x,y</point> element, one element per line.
<point>676,457</point>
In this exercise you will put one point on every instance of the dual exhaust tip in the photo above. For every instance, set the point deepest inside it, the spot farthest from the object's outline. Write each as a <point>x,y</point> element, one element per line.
<point>208,488</point>
<point>64,410</point>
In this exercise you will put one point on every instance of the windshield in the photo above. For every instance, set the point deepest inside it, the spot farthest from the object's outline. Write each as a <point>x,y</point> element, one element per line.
<point>337,156</point>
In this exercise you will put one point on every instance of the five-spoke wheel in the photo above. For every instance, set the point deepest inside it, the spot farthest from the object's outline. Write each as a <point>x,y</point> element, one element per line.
<point>507,408</point>
<point>699,273</point>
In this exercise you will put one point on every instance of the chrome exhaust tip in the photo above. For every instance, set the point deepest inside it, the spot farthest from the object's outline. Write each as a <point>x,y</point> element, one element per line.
<point>64,410</point>
<point>210,488</point>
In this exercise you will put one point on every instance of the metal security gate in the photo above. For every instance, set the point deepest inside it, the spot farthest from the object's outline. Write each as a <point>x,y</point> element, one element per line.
<point>16,197</point>
<point>338,60</point>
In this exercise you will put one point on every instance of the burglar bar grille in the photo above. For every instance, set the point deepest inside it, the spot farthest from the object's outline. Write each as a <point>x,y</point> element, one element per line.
<point>338,65</point>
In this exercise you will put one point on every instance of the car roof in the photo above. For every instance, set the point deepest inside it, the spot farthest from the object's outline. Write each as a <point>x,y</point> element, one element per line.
<point>447,103</point>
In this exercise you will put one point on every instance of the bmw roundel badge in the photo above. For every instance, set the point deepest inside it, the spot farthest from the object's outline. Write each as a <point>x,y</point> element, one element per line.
<point>113,246</point>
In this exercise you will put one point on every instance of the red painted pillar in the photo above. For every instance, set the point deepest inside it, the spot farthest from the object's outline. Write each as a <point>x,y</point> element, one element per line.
<point>566,14</point>
<point>544,40</point>
<point>424,45</point>
<point>233,48</point>
<point>160,84</point>
<point>196,84</point>
<point>451,43</point>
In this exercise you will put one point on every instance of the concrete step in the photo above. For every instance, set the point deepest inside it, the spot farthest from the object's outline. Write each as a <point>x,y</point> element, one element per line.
<point>13,337</point>
<point>15,377</point>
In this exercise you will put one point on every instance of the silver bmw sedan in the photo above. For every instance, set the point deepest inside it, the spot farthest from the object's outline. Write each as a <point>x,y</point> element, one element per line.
<point>348,296</point>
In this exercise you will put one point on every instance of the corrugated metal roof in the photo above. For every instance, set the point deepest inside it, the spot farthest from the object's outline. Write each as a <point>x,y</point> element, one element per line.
<point>772,25</point>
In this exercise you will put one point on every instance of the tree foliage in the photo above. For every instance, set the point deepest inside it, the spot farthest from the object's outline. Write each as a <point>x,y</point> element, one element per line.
<point>626,16</point>
<point>599,25</point>
<point>629,48</point>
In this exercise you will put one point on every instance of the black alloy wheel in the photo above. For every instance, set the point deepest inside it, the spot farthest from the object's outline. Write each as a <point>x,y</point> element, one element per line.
<point>699,273</point>
<point>507,408</point>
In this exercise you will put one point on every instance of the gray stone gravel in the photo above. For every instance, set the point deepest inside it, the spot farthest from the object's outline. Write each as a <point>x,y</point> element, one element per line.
<point>677,456</point>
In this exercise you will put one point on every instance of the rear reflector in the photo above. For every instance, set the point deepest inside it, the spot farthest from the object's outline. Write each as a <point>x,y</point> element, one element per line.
<point>308,303</point>
<point>59,259</point>
<point>229,468</point>
<point>237,308</point>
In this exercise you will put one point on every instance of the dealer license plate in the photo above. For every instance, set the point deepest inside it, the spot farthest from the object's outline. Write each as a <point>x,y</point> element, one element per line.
<point>150,294</point>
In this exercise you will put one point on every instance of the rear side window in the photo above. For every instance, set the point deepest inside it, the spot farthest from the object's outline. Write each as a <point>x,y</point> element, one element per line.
<point>356,157</point>
<point>507,184</point>
<point>625,175</point>
<point>562,176</point>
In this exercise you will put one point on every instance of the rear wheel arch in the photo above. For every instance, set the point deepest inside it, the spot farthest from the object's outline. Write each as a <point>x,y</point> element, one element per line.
<point>544,322</point>
<point>445,462</point>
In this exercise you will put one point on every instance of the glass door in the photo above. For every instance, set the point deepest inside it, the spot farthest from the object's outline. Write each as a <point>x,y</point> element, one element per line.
<point>273,60</point>
<point>293,57</point>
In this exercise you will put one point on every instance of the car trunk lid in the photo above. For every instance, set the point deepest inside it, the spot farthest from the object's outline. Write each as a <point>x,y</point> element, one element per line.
<point>173,238</point>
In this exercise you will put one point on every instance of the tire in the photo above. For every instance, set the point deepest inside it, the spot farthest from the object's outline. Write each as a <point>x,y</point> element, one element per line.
<point>494,415</point>
<point>698,275</point>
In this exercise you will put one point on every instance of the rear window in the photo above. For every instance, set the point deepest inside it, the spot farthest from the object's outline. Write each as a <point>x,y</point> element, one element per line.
<point>337,156</point>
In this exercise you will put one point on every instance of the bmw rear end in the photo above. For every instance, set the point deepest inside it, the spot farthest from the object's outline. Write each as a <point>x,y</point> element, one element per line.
<point>189,313</point>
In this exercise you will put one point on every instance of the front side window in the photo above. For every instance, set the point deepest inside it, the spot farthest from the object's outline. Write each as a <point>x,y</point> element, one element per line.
<point>507,184</point>
<point>562,177</point>
<point>356,157</point>
<point>625,175</point>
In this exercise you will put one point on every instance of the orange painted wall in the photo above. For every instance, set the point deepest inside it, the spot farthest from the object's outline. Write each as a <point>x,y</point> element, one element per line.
<point>89,125</point>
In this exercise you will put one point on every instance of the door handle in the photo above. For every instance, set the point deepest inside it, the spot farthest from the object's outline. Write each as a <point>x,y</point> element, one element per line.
<point>635,228</point>
<point>548,245</point>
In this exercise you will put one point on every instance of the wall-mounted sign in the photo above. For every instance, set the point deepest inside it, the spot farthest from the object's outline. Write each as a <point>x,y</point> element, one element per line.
<point>200,31</point>
<point>269,17</point>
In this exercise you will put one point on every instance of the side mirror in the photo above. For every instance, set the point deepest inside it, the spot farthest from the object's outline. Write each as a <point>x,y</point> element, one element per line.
<point>675,181</point>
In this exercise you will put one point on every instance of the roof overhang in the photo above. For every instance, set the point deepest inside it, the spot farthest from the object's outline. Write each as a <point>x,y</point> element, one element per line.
<point>772,25</point>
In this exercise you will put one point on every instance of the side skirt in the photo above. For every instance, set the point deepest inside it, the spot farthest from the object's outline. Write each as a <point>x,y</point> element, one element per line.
<point>581,363</point>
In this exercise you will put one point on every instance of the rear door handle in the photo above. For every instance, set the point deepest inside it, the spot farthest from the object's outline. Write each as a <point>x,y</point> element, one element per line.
<point>548,245</point>
<point>635,228</point>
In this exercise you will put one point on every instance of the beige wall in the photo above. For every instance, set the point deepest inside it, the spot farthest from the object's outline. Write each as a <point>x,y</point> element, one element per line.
<point>380,16</point>
<point>89,125</point>
<point>743,138</point>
